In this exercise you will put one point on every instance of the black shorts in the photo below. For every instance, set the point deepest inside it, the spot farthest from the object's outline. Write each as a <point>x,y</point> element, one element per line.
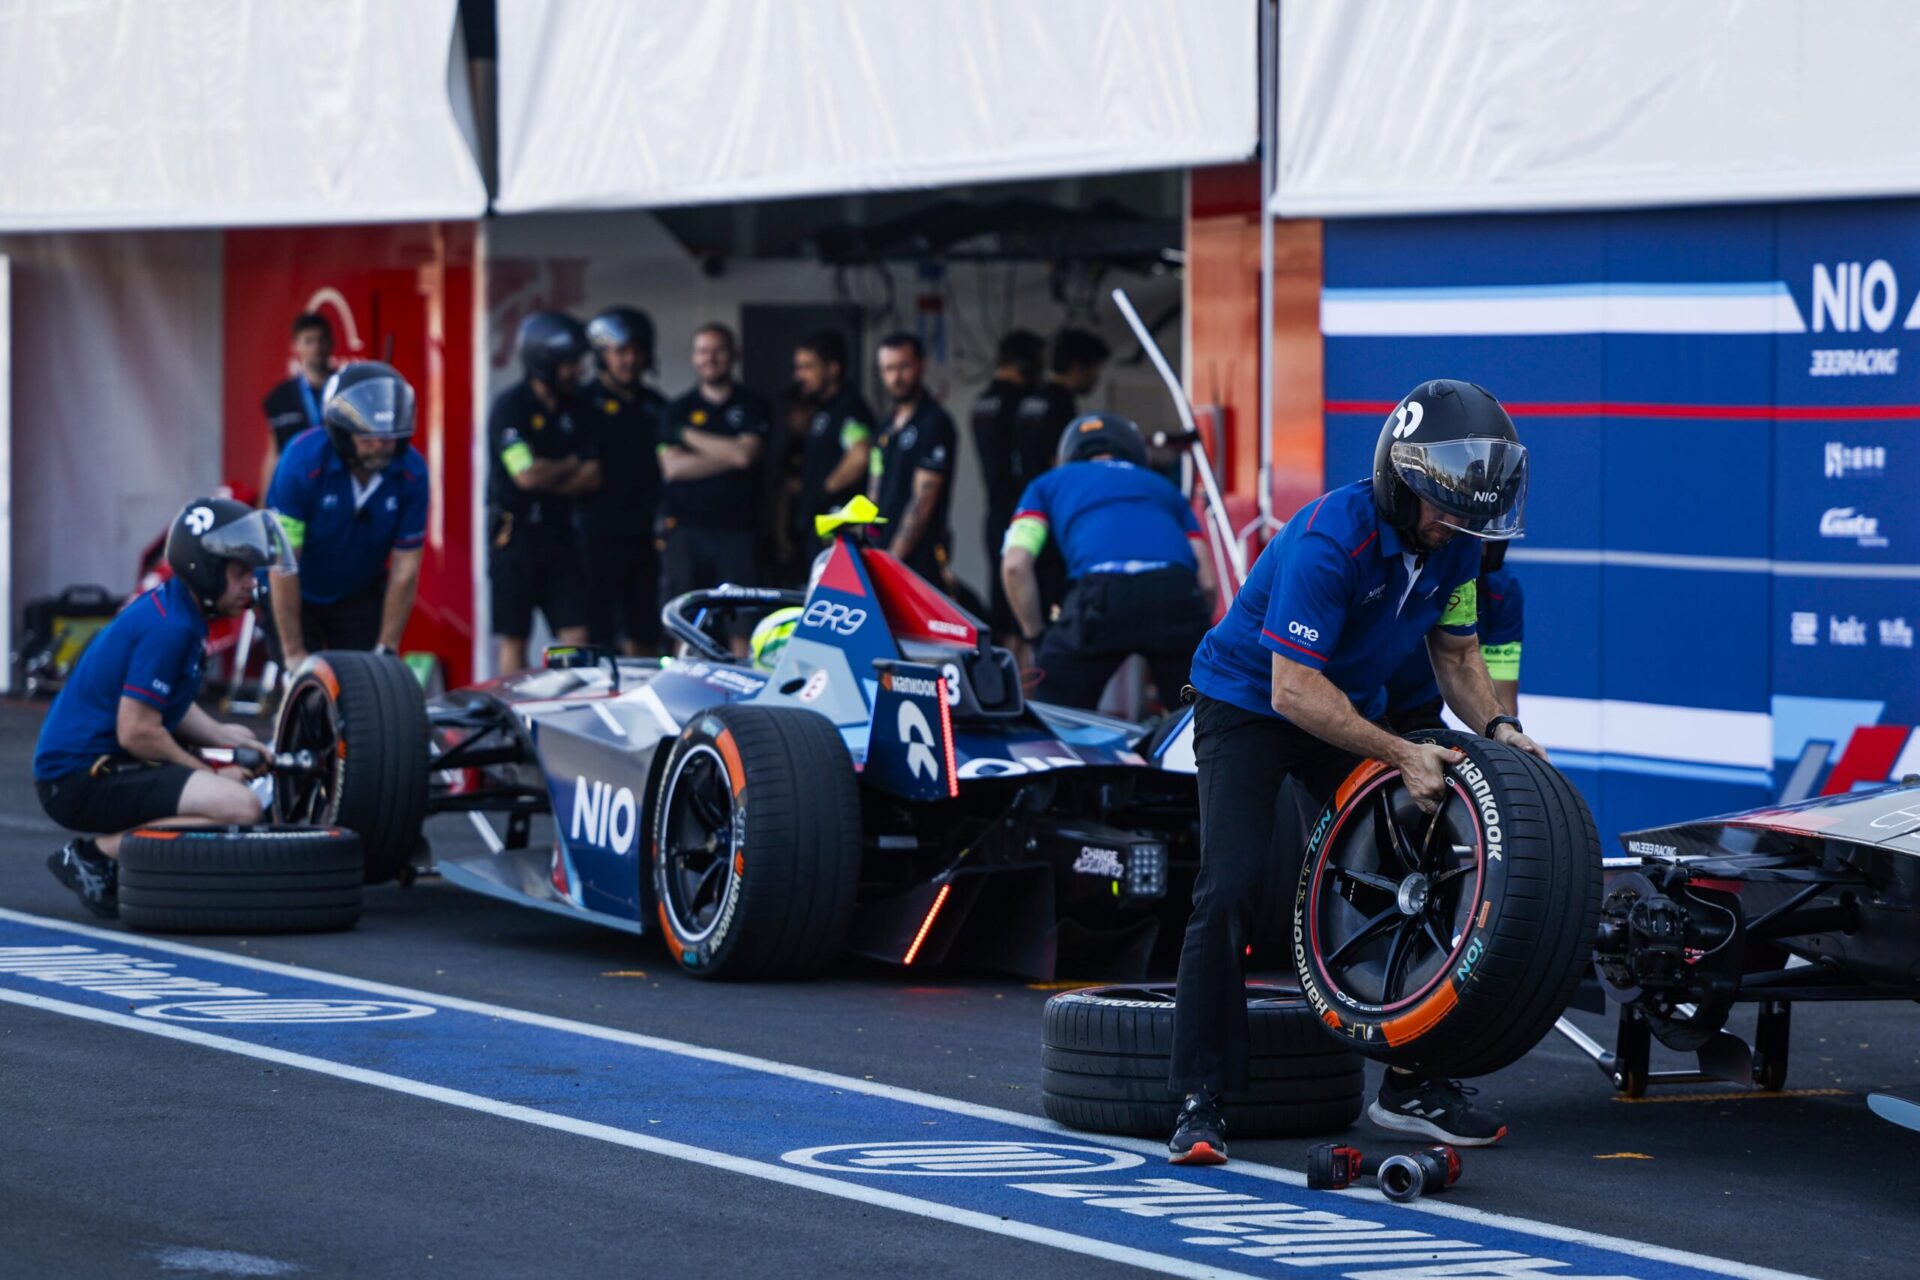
<point>114,802</point>
<point>541,571</point>
<point>623,590</point>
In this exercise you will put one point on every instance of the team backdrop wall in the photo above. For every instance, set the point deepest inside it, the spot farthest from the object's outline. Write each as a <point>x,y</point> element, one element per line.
<point>1722,561</point>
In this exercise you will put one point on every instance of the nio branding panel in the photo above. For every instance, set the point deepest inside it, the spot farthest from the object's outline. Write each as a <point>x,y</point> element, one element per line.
<point>606,816</point>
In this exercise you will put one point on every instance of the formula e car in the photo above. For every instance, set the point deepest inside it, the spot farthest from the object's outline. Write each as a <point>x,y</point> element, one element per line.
<point>886,788</point>
<point>1818,900</point>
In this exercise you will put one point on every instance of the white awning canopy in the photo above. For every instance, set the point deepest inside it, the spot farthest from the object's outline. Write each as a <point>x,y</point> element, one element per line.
<point>1437,106</point>
<point>633,103</point>
<point>125,113</point>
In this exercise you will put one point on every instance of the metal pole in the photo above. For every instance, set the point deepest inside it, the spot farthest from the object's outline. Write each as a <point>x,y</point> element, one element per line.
<point>1269,112</point>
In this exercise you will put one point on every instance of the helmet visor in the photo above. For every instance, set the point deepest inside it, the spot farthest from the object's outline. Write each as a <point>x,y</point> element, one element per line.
<point>1480,486</point>
<point>256,540</point>
<point>377,409</point>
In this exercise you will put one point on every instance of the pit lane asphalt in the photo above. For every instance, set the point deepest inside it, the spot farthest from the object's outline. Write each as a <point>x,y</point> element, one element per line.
<point>120,1154</point>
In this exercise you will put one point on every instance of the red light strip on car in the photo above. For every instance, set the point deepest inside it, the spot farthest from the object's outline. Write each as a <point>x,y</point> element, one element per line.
<point>926,925</point>
<point>946,739</point>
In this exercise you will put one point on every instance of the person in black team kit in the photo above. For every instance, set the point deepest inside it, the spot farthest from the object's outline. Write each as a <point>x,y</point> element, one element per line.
<point>995,425</point>
<point>1073,368</point>
<point>912,474</point>
<point>710,499</point>
<point>623,416</point>
<point>294,406</point>
<point>541,461</point>
<point>839,436</point>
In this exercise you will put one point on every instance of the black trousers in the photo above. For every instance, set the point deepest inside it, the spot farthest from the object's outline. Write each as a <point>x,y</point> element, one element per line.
<point>623,589</point>
<point>1249,838</point>
<point>352,622</point>
<point>1108,617</point>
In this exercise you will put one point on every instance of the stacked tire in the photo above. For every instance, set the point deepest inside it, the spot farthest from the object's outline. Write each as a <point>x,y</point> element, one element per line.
<point>251,880</point>
<point>1105,1053</point>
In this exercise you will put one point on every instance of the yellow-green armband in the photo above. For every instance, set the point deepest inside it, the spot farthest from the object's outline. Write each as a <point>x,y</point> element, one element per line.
<point>876,463</point>
<point>1029,533</point>
<point>296,530</point>
<point>1503,660</point>
<point>517,457</point>
<point>853,432</point>
<point>1463,605</point>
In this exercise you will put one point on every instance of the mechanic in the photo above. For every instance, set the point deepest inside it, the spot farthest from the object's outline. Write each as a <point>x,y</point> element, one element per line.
<point>995,421</point>
<point>710,499</point>
<point>293,406</point>
<point>1135,584</point>
<point>1413,696</point>
<point>622,416</point>
<point>835,451</point>
<point>1291,683</point>
<point>541,462</point>
<point>114,750</point>
<point>913,468</point>
<point>352,498</point>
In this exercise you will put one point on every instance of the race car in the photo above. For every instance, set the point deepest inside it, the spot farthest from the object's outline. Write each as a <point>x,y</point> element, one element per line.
<point>885,788</point>
<point>1818,900</point>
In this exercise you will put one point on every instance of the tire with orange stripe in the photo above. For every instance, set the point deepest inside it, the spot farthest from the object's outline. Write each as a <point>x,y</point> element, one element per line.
<point>1450,942</point>
<point>262,879</point>
<point>754,856</point>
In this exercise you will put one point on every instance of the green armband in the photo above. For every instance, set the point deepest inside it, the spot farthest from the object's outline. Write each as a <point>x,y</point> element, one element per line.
<point>853,432</point>
<point>517,457</point>
<point>1029,533</point>
<point>1503,660</point>
<point>296,530</point>
<point>876,464</point>
<point>1463,606</point>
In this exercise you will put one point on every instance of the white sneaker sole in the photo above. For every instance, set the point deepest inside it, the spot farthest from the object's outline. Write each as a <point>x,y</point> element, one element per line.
<point>1398,1123</point>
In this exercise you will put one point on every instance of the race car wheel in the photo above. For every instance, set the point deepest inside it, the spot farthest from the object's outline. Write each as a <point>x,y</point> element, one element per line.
<point>364,720</point>
<point>1104,1055</point>
<point>1448,943</point>
<point>756,844</point>
<point>266,879</point>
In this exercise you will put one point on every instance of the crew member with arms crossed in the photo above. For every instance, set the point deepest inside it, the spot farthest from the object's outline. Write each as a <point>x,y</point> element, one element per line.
<point>352,498</point>
<point>1135,584</point>
<point>913,468</point>
<point>1292,683</point>
<point>114,750</point>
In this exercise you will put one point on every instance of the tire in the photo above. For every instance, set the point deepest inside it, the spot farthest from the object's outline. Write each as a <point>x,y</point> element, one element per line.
<point>1449,947</point>
<point>364,718</point>
<point>1104,1058</point>
<point>266,879</point>
<point>774,788</point>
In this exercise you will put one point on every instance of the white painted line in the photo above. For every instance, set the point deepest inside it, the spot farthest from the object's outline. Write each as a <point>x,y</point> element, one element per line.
<point>1084,1245</point>
<point>953,1106</point>
<point>1710,564</point>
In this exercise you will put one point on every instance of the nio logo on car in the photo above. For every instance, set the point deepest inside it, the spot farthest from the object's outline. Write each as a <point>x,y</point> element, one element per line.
<point>963,1159</point>
<point>604,816</point>
<point>917,734</point>
<point>1307,633</point>
<point>1100,862</point>
<point>227,1011</point>
<point>840,619</point>
<point>1406,419</point>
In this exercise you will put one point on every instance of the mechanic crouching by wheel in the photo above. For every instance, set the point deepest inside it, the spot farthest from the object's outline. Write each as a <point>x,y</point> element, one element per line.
<point>1135,584</point>
<point>1292,683</point>
<point>113,753</point>
<point>352,499</point>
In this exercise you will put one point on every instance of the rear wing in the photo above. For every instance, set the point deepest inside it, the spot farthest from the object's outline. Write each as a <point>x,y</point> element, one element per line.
<point>910,751</point>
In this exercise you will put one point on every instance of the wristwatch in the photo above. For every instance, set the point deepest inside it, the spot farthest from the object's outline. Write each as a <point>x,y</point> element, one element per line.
<point>1497,721</point>
<point>383,649</point>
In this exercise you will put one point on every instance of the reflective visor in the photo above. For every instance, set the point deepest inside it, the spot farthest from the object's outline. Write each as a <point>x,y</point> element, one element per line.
<point>378,409</point>
<point>256,540</point>
<point>1480,486</point>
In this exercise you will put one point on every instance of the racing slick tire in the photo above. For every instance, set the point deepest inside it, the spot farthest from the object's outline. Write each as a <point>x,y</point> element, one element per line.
<point>1448,944</point>
<point>1105,1050</point>
<point>363,717</point>
<point>265,879</point>
<point>755,851</point>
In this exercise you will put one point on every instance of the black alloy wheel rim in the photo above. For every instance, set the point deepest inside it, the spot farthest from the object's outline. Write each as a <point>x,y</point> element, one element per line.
<point>311,724</point>
<point>697,848</point>
<point>1394,894</point>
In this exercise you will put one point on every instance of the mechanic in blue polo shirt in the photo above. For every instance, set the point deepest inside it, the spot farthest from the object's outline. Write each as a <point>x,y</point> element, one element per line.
<point>1292,682</point>
<point>1413,694</point>
<point>113,751</point>
<point>1135,584</point>
<point>352,498</point>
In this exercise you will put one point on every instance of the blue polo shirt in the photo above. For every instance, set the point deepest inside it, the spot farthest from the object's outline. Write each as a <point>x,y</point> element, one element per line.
<point>344,549</point>
<point>1339,592</point>
<point>1502,613</point>
<point>152,652</point>
<point>1110,517</point>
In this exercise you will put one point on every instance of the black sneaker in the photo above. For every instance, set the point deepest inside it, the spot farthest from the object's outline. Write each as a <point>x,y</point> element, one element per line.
<point>1434,1109</point>
<point>1200,1135</point>
<point>91,874</point>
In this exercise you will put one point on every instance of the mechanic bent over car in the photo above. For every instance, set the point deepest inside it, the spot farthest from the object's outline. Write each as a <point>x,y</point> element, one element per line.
<point>113,753</point>
<point>1292,683</point>
<point>1135,584</point>
<point>352,498</point>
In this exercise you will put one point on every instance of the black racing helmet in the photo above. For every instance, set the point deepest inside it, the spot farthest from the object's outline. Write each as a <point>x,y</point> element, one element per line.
<point>547,340</point>
<point>616,325</point>
<point>368,400</point>
<point>1452,444</point>
<point>1092,434</point>
<point>208,532</point>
